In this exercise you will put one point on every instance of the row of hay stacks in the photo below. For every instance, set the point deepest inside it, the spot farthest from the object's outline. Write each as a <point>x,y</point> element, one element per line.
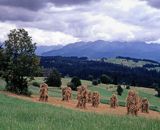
<point>133,102</point>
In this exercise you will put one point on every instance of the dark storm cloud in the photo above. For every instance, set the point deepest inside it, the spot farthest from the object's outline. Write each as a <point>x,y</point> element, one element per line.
<point>154,3</point>
<point>39,4</point>
<point>69,2</point>
<point>16,14</point>
<point>28,10</point>
<point>27,4</point>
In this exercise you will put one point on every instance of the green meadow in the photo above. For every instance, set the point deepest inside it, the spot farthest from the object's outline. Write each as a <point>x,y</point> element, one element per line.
<point>105,91</point>
<point>17,114</point>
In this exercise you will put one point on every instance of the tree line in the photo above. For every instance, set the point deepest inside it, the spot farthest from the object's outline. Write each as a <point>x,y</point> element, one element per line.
<point>90,69</point>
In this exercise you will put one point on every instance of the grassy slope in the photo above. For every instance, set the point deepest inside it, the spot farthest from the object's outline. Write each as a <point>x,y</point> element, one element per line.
<point>16,114</point>
<point>131,63</point>
<point>2,84</point>
<point>104,90</point>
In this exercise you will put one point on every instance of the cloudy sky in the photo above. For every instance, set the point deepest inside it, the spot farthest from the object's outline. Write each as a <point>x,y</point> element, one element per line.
<point>52,22</point>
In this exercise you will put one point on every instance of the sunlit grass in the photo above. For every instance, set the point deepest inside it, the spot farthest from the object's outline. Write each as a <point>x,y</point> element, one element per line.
<point>105,91</point>
<point>16,114</point>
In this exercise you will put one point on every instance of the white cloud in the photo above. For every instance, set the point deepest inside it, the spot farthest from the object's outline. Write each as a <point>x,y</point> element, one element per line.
<point>4,30</point>
<point>39,36</point>
<point>107,28</point>
<point>120,20</point>
<point>156,41</point>
<point>49,38</point>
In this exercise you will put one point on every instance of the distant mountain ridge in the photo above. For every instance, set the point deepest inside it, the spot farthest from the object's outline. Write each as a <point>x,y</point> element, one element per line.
<point>41,49</point>
<point>100,49</point>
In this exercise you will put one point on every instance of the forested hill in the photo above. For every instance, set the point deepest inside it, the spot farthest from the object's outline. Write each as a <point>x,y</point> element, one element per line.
<point>83,68</point>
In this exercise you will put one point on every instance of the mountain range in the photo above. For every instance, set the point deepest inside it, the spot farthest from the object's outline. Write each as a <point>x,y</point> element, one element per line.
<point>41,49</point>
<point>100,49</point>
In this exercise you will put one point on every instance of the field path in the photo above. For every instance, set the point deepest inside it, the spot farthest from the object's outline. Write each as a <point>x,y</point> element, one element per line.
<point>102,109</point>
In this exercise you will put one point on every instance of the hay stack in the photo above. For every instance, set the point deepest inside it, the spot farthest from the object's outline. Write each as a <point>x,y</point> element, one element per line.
<point>132,103</point>
<point>145,105</point>
<point>43,92</point>
<point>82,95</point>
<point>66,94</point>
<point>113,101</point>
<point>95,99</point>
<point>89,97</point>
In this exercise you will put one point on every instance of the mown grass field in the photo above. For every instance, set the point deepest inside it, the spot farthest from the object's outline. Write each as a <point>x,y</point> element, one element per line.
<point>105,91</point>
<point>17,114</point>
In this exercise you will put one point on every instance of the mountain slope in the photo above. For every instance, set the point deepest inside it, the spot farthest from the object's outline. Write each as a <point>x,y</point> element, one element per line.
<point>99,49</point>
<point>42,49</point>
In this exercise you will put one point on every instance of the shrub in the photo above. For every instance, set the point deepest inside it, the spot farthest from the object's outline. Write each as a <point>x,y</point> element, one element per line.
<point>54,79</point>
<point>157,88</point>
<point>10,87</point>
<point>76,82</point>
<point>99,81</point>
<point>69,84</point>
<point>158,91</point>
<point>115,80</point>
<point>95,82</point>
<point>36,84</point>
<point>90,77</point>
<point>105,79</point>
<point>119,90</point>
<point>31,78</point>
<point>127,87</point>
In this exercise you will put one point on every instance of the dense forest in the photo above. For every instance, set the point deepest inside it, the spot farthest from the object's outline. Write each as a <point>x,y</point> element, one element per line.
<point>84,68</point>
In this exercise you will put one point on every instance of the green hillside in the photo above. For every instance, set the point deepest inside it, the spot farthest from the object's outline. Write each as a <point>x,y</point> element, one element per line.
<point>105,91</point>
<point>16,114</point>
<point>131,62</point>
<point>26,115</point>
